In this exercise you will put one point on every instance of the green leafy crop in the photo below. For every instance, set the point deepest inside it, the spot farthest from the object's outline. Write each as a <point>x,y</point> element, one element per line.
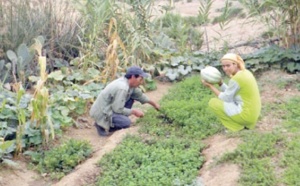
<point>183,112</point>
<point>255,157</point>
<point>61,160</point>
<point>290,162</point>
<point>292,116</point>
<point>151,161</point>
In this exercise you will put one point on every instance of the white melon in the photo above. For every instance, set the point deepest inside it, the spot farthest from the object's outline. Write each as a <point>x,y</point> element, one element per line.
<point>211,74</point>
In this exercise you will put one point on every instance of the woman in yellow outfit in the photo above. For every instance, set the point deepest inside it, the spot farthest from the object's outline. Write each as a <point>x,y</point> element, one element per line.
<point>238,104</point>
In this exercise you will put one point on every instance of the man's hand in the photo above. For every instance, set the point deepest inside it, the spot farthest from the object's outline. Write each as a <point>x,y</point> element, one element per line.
<point>156,106</point>
<point>137,113</point>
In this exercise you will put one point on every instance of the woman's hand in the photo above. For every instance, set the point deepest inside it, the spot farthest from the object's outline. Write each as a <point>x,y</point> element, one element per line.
<point>205,83</point>
<point>220,83</point>
<point>211,87</point>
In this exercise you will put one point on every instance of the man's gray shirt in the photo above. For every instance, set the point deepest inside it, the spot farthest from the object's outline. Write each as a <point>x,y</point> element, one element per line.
<point>112,99</point>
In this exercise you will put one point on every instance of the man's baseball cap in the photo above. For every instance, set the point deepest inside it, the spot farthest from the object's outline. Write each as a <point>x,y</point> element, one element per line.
<point>135,70</point>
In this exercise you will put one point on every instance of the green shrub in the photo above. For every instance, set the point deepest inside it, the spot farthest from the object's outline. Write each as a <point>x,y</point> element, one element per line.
<point>290,162</point>
<point>254,156</point>
<point>231,13</point>
<point>183,112</point>
<point>259,172</point>
<point>61,160</point>
<point>23,20</point>
<point>292,115</point>
<point>151,161</point>
<point>180,30</point>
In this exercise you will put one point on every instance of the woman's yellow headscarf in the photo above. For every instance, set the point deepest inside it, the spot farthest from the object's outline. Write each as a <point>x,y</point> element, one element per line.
<point>234,58</point>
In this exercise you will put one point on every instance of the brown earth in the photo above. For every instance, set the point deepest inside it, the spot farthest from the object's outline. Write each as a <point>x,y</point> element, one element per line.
<point>210,174</point>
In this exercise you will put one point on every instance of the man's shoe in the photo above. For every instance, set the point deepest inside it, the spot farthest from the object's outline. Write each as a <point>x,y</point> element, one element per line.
<point>114,129</point>
<point>101,131</point>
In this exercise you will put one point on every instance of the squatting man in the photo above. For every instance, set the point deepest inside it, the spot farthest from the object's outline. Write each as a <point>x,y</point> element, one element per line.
<point>114,103</point>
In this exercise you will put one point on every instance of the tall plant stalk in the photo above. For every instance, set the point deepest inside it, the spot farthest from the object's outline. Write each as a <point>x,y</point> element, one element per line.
<point>112,61</point>
<point>21,118</point>
<point>133,28</point>
<point>281,17</point>
<point>203,15</point>
<point>137,37</point>
<point>94,25</point>
<point>40,117</point>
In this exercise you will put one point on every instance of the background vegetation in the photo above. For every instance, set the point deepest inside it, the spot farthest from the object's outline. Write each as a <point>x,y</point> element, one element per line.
<point>56,56</point>
<point>168,151</point>
<point>167,138</point>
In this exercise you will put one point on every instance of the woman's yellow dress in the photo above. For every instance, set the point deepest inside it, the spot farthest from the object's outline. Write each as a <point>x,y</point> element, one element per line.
<point>238,105</point>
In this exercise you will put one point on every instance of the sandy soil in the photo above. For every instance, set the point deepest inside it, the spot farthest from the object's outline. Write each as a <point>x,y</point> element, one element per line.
<point>233,33</point>
<point>224,174</point>
<point>210,174</point>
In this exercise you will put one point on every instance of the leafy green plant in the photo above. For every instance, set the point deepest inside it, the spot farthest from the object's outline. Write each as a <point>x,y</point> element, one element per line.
<point>291,116</point>
<point>151,161</point>
<point>284,83</point>
<point>61,160</point>
<point>298,86</point>
<point>40,117</point>
<point>256,146</point>
<point>150,84</point>
<point>95,16</point>
<point>6,148</point>
<point>290,161</point>
<point>68,104</point>
<point>180,30</point>
<point>157,159</point>
<point>203,13</point>
<point>281,17</point>
<point>139,31</point>
<point>254,156</point>
<point>15,123</point>
<point>275,57</point>
<point>231,13</point>
<point>21,63</point>
<point>259,172</point>
<point>125,28</point>
<point>21,114</point>
<point>184,113</point>
<point>203,16</point>
<point>24,20</point>
<point>13,118</point>
<point>5,67</point>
